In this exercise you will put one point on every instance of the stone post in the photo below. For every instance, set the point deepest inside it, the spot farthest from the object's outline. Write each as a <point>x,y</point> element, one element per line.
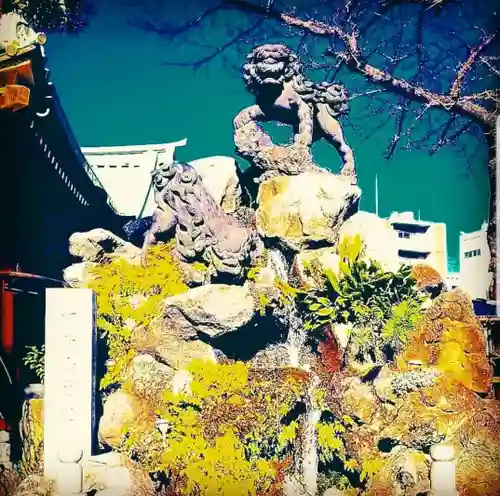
<point>69,413</point>
<point>443,470</point>
<point>69,479</point>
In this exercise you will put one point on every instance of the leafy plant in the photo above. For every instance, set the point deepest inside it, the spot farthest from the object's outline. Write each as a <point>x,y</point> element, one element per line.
<point>130,296</point>
<point>382,306</point>
<point>227,434</point>
<point>370,468</point>
<point>35,360</point>
<point>330,443</point>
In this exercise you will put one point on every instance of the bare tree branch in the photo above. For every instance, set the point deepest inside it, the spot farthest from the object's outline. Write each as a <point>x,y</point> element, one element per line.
<point>356,62</point>
<point>467,65</point>
<point>493,70</point>
<point>169,31</point>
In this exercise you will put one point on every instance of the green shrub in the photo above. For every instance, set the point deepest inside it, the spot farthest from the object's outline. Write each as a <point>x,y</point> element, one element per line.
<point>227,435</point>
<point>35,360</point>
<point>130,296</point>
<point>383,307</point>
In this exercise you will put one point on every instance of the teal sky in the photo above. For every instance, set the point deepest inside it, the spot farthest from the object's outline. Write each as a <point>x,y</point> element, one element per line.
<point>117,90</point>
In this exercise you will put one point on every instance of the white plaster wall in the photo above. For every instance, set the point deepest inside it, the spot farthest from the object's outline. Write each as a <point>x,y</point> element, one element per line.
<point>125,177</point>
<point>125,173</point>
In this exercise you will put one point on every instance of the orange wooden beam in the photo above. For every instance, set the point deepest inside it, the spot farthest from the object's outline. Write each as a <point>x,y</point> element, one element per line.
<point>10,73</point>
<point>14,97</point>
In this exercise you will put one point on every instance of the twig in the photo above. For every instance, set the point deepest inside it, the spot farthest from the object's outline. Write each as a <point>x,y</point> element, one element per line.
<point>467,65</point>
<point>365,94</point>
<point>201,62</point>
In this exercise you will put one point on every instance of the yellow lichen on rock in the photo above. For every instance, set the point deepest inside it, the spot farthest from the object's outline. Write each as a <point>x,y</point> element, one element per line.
<point>450,337</point>
<point>426,276</point>
<point>305,208</point>
<point>31,427</point>
<point>462,355</point>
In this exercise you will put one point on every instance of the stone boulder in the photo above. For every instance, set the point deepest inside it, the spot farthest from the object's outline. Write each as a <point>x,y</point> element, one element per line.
<point>220,176</point>
<point>305,209</point>
<point>309,266</point>
<point>428,279</point>
<point>120,408</point>
<point>148,377</point>
<point>194,322</point>
<point>333,491</point>
<point>451,338</point>
<point>98,245</point>
<point>110,473</point>
<point>404,473</point>
<point>430,415</point>
<point>212,310</point>
<point>78,275</point>
<point>359,402</point>
<point>478,459</point>
<point>383,385</point>
<point>272,357</point>
<point>170,345</point>
<point>380,240</point>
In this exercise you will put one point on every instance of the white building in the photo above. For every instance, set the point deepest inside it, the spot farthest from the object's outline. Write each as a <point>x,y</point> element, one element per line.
<point>475,277</point>
<point>421,241</point>
<point>453,280</point>
<point>125,173</point>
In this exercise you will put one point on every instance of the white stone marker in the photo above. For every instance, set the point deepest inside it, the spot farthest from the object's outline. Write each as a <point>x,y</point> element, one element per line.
<point>69,409</point>
<point>443,470</point>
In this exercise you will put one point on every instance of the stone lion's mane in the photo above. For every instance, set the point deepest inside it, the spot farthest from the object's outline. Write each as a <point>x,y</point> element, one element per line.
<point>203,230</point>
<point>288,67</point>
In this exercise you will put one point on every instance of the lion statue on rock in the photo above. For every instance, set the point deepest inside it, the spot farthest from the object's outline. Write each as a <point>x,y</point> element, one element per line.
<point>203,231</point>
<point>274,74</point>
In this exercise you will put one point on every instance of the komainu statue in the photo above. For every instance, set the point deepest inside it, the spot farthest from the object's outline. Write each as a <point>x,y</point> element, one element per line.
<point>203,231</point>
<point>274,74</point>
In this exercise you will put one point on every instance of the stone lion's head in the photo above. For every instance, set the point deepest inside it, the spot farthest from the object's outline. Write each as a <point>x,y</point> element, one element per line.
<point>270,65</point>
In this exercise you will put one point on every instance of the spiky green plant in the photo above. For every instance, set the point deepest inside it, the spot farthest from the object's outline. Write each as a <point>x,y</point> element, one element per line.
<point>404,318</point>
<point>382,306</point>
<point>362,290</point>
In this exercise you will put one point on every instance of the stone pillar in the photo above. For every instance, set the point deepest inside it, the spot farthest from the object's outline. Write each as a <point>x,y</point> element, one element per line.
<point>443,470</point>
<point>69,414</point>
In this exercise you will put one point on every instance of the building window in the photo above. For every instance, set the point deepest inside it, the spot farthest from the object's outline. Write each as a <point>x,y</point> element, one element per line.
<point>412,255</point>
<point>403,234</point>
<point>472,253</point>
